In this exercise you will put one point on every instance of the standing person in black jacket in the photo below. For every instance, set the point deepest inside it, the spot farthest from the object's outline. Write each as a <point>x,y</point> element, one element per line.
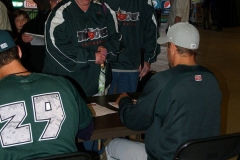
<point>35,54</point>
<point>43,5</point>
<point>80,37</point>
<point>137,23</point>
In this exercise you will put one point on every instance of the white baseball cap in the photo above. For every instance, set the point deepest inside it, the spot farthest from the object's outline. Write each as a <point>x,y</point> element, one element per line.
<point>183,35</point>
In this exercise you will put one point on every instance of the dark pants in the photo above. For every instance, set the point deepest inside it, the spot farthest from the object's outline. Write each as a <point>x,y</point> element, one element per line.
<point>158,14</point>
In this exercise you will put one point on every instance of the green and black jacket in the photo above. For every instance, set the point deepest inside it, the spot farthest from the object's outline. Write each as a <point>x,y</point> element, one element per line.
<point>72,38</point>
<point>138,26</point>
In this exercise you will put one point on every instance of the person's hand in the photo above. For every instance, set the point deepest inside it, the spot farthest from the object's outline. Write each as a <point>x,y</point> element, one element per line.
<point>102,50</point>
<point>101,55</point>
<point>100,58</point>
<point>143,71</point>
<point>27,38</point>
<point>120,97</point>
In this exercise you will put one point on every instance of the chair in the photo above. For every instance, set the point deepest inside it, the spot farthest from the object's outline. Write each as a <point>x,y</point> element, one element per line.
<point>214,148</point>
<point>68,156</point>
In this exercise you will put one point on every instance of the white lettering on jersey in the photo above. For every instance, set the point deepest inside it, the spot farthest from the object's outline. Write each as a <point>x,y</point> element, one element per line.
<point>13,133</point>
<point>48,108</point>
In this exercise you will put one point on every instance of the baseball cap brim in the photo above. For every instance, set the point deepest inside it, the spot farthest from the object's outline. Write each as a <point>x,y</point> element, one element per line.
<point>162,40</point>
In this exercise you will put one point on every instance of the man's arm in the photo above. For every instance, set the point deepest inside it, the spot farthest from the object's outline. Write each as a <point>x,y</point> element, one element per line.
<point>86,125</point>
<point>61,43</point>
<point>85,133</point>
<point>177,19</point>
<point>140,115</point>
<point>150,46</point>
<point>180,9</point>
<point>114,44</point>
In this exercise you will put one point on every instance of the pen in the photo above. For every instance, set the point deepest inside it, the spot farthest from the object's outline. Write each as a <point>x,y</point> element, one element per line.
<point>142,61</point>
<point>99,144</point>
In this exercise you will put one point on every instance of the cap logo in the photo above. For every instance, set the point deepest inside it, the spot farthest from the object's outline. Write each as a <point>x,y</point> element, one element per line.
<point>193,46</point>
<point>4,45</point>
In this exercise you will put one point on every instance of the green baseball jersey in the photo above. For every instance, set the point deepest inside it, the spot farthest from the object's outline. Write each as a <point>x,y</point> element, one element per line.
<point>40,116</point>
<point>174,110</point>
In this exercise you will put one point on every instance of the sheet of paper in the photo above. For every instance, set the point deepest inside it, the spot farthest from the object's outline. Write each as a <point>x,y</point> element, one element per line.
<point>114,104</point>
<point>98,110</point>
<point>38,40</point>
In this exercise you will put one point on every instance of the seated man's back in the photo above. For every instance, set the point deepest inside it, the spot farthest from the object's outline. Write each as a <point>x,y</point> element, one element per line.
<point>177,105</point>
<point>40,115</point>
<point>188,107</point>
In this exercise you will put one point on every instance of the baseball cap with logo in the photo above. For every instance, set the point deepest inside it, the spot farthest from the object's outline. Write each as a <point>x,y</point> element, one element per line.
<point>183,35</point>
<point>6,41</point>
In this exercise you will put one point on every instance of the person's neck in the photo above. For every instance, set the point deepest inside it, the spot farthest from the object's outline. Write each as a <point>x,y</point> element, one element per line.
<point>82,7</point>
<point>13,68</point>
<point>188,61</point>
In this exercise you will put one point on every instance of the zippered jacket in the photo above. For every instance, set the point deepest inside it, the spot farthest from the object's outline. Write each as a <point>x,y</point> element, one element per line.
<point>72,38</point>
<point>138,26</point>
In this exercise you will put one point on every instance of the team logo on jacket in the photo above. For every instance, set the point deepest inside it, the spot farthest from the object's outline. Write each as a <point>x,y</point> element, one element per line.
<point>91,34</point>
<point>127,16</point>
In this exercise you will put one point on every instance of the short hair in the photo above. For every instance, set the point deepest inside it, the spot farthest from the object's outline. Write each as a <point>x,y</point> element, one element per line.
<point>8,56</point>
<point>19,13</point>
<point>182,50</point>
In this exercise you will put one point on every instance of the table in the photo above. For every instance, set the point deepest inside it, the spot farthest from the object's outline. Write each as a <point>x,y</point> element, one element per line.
<point>110,126</point>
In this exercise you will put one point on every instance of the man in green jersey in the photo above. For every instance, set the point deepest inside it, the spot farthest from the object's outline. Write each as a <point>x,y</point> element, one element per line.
<point>40,115</point>
<point>177,105</point>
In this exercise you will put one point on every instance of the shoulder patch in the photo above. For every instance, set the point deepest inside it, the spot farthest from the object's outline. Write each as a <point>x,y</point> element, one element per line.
<point>198,77</point>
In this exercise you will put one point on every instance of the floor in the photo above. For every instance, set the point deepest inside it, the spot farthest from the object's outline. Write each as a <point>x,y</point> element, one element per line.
<point>219,52</point>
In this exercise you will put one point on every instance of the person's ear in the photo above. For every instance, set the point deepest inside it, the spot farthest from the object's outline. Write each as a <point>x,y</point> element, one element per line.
<point>173,47</point>
<point>19,52</point>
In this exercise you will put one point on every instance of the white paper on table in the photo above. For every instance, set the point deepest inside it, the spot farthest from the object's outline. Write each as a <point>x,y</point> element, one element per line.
<point>98,110</point>
<point>114,104</point>
<point>38,40</point>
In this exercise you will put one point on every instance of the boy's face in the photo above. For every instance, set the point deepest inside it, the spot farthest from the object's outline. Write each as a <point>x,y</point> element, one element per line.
<point>20,21</point>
